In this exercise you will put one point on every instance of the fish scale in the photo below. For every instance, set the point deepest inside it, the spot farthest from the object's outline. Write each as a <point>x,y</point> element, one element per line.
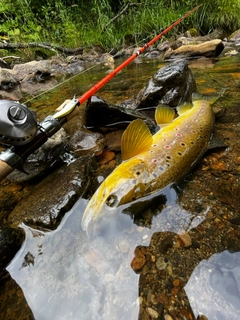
<point>160,160</point>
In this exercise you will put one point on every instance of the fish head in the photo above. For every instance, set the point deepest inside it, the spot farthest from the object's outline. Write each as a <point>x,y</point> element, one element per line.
<point>123,185</point>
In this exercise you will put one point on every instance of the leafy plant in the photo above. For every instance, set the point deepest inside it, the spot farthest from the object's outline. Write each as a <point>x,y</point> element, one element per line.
<point>75,23</point>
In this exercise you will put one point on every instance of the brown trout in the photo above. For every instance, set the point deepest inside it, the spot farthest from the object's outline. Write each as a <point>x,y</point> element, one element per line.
<point>152,162</point>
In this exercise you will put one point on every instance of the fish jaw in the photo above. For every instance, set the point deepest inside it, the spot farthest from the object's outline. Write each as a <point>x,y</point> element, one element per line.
<point>105,200</point>
<point>125,184</point>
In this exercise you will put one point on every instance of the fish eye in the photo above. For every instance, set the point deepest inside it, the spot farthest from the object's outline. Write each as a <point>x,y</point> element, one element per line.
<point>112,201</point>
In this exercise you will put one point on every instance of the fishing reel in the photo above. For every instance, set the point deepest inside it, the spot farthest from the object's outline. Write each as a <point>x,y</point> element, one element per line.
<point>18,125</point>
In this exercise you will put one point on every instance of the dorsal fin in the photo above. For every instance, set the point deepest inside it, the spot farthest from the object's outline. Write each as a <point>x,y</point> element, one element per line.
<point>184,108</point>
<point>164,115</point>
<point>210,99</point>
<point>135,139</point>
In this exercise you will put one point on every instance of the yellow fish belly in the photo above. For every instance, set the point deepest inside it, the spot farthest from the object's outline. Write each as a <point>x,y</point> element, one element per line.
<point>152,162</point>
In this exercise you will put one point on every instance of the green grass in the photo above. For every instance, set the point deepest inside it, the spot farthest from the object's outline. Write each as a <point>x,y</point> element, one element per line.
<point>80,23</point>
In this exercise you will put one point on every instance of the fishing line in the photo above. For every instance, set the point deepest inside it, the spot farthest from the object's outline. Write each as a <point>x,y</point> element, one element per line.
<point>59,84</point>
<point>81,72</point>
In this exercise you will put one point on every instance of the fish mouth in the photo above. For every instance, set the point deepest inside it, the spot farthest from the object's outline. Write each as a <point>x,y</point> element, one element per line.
<point>96,220</point>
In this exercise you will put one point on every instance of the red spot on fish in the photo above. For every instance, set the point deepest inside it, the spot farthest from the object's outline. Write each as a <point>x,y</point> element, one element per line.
<point>154,161</point>
<point>154,145</point>
<point>178,135</point>
<point>167,146</point>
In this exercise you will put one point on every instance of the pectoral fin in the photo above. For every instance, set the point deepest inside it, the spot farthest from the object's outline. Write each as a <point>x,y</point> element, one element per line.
<point>164,115</point>
<point>136,139</point>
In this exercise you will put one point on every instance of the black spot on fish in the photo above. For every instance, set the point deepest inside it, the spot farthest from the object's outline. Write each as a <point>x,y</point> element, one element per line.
<point>183,144</point>
<point>168,157</point>
<point>179,153</point>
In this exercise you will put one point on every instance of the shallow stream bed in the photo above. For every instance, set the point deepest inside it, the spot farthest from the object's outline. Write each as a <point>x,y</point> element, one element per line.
<point>138,269</point>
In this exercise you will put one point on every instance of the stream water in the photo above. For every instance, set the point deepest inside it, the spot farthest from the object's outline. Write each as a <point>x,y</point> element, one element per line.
<point>64,274</point>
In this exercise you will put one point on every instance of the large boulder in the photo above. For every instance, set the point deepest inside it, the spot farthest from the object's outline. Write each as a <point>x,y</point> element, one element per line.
<point>210,49</point>
<point>171,85</point>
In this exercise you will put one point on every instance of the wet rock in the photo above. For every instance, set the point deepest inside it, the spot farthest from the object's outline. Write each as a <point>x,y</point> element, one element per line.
<point>163,46</point>
<point>7,81</point>
<point>84,142</point>
<point>185,239</point>
<point>35,69</point>
<point>171,85</point>
<point>54,196</point>
<point>99,114</point>
<point>97,259</point>
<point>235,35</point>
<point>208,49</point>
<point>202,317</point>
<point>139,260</point>
<point>153,313</point>
<point>113,140</point>
<point>161,263</point>
<point>105,157</point>
<point>33,87</point>
<point>166,243</point>
<point>8,309</point>
<point>9,86</point>
<point>70,66</point>
<point>10,242</point>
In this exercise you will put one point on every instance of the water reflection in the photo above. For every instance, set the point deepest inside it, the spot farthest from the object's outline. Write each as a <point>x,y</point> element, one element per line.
<point>66,275</point>
<point>214,287</point>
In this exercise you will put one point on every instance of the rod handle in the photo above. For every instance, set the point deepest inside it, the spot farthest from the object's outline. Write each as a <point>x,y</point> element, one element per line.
<point>5,170</point>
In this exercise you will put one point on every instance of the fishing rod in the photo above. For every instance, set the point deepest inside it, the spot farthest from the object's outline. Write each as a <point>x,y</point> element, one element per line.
<point>20,131</point>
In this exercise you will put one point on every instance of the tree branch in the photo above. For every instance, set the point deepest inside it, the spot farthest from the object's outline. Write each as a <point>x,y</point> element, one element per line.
<point>47,46</point>
<point>128,5</point>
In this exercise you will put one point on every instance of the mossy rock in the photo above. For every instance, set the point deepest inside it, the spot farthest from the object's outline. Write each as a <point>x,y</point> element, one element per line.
<point>193,32</point>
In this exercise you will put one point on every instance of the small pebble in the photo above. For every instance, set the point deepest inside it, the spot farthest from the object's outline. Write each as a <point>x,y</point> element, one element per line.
<point>161,264</point>
<point>154,314</point>
<point>185,240</point>
<point>168,317</point>
<point>124,246</point>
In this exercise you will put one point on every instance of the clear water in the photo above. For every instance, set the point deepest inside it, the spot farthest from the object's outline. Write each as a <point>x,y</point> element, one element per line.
<point>64,274</point>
